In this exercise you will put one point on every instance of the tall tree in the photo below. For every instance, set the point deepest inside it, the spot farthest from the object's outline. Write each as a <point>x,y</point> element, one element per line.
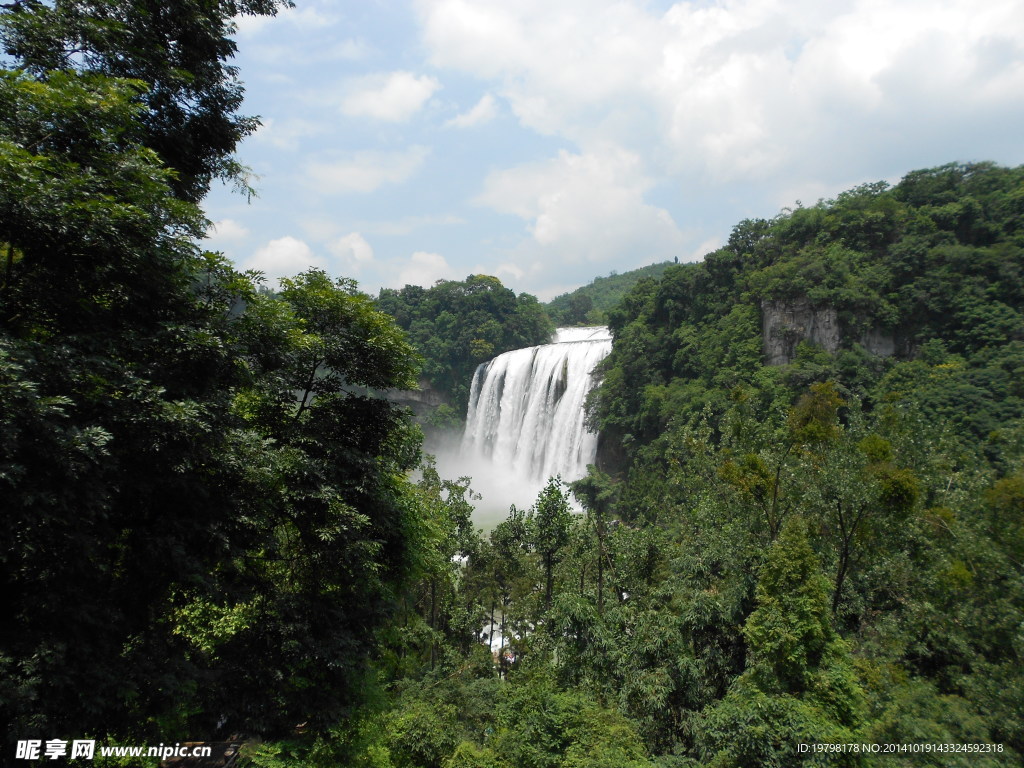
<point>598,494</point>
<point>549,524</point>
<point>187,541</point>
<point>179,49</point>
<point>799,685</point>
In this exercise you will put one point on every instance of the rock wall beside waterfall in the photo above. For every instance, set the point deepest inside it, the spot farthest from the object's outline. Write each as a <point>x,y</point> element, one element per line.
<point>784,324</point>
<point>420,401</point>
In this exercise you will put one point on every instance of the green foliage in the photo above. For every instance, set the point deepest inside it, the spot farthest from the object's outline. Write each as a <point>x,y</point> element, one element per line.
<point>590,304</point>
<point>799,686</point>
<point>790,630</point>
<point>468,755</point>
<point>189,542</point>
<point>549,523</point>
<point>880,257</point>
<point>539,727</point>
<point>178,52</point>
<point>421,734</point>
<point>903,469</point>
<point>458,325</point>
<point>918,713</point>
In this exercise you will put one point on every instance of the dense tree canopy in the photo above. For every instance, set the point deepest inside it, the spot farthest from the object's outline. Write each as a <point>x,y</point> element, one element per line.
<point>933,265</point>
<point>179,50</point>
<point>191,543</point>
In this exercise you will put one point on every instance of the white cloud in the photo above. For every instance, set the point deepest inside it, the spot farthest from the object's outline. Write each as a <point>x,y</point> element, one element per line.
<point>353,252</point>
<point>226,230</point>
<point>284,257</point>
<point>366,171</point>
<point>290,133</point>
<point>753,90</point>
<point>306,16</point>
<point>702,249</point>
<point>391,97</point>
<point>584,207</point>
<point>422,268</point>
<point>507,270</point>
<point>551,61</point>
<point>482,112</point>
<point>677,119</point>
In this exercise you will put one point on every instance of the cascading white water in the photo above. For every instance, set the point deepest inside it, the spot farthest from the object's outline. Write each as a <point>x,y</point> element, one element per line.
<point>526,407</point>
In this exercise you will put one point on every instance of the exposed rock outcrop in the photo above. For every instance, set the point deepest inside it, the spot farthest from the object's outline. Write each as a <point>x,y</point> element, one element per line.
<point>420,401</point>
<point>784,324</point>
<point>879,343</point>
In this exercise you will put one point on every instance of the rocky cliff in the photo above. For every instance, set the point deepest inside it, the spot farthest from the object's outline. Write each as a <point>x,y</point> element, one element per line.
<point>784,324</point>
<point>420,401</point>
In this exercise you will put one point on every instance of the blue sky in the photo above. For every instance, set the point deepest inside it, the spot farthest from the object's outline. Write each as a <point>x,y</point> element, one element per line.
<point>549,142</point>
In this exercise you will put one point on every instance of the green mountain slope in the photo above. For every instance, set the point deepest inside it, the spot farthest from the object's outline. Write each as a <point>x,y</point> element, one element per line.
<point>589,304</point>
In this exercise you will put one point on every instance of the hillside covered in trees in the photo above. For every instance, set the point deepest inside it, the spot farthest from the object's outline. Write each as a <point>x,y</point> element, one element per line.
<point>826,549</point>
<point>806,527</point>
<point>456,325</point>
<point>589,304</point>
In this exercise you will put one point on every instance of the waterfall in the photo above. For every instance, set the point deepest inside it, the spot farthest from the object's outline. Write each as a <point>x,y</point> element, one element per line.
<point>526,407</point>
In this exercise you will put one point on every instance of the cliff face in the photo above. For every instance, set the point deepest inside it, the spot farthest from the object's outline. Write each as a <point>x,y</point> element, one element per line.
<point>784,324</point>
<point>421,401</point>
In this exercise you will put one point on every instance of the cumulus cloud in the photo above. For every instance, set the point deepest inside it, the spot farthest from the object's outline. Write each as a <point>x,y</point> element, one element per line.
<point>482,112</point>
<point>226,230</point>
<point>284,257</point>
<point>677,119</point>
<point>549,60</point>
<point>388,96</point>
<point>290,133</point>
<point>422,268</point>
<point>308,16</point>
<point>584,207</point>
<point>353,252</point>
<point>507,270</point>
<point>366,171</point>
<point>746,89</point>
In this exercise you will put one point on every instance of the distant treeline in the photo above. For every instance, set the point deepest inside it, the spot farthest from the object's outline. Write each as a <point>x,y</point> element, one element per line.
<point>458,324</point>
<point>589,304</point>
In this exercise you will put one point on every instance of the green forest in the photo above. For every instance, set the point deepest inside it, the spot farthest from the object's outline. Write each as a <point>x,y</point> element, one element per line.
<point>805,526</point>
<point>590,304</point>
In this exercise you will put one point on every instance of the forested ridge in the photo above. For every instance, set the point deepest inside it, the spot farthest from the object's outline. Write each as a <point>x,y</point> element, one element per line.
<point>806,525</point>
<point>589,304</point>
